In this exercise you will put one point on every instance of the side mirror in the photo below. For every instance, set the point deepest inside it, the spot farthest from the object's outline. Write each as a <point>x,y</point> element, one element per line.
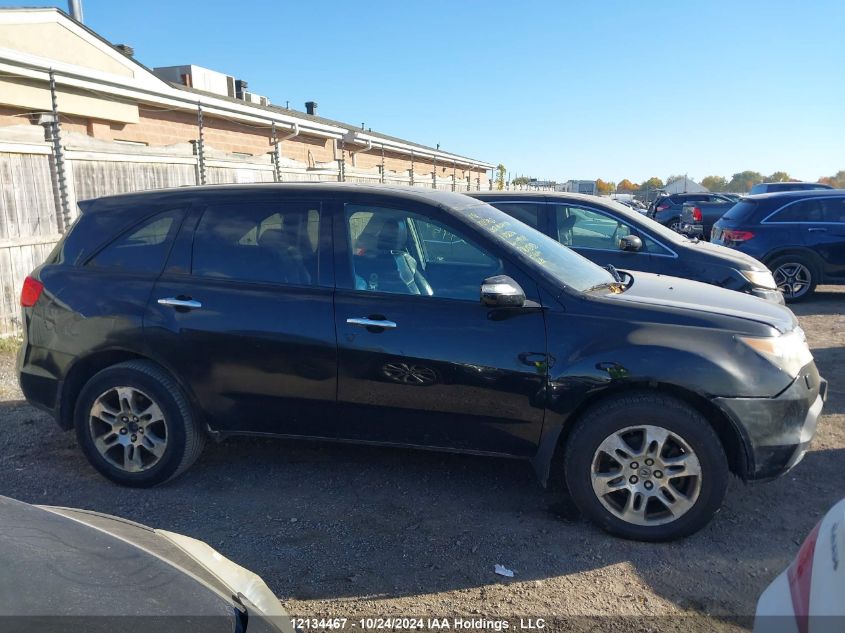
<point>630,243</point>
<point>502,292</point>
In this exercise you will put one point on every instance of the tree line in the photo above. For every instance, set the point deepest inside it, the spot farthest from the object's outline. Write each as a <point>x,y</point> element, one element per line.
<point>738,183</point>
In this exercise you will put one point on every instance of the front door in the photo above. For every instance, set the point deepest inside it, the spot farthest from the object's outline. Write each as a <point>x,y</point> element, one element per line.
<point>421,360</point>
<point>827,237</point>
<point>247,319</point>
<point>596,234</point>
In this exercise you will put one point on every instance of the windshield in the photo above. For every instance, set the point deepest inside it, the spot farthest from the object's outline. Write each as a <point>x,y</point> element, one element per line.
<point>555,259</point>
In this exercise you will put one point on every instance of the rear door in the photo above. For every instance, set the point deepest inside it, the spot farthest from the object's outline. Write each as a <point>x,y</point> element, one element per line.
<point>243,315</point>
<point>421,360</point>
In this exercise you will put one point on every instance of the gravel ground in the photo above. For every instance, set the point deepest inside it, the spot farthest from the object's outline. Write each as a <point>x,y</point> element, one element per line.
<point>360,531</point>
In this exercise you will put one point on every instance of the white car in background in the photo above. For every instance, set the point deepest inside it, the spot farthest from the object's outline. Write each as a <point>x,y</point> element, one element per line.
<point>809,596</point>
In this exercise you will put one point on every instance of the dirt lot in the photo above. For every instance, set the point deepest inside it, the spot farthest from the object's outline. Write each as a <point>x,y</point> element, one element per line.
<point>358,531</point>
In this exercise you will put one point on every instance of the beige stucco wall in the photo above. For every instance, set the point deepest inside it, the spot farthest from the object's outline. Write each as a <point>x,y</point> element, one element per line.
<point>55,41</point>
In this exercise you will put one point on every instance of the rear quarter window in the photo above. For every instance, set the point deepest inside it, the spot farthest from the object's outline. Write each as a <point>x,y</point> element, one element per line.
<point>742,211</point>
<point>142,248</point>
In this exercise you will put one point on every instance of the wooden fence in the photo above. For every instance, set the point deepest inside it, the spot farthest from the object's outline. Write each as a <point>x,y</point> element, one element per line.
<point>30,214</point>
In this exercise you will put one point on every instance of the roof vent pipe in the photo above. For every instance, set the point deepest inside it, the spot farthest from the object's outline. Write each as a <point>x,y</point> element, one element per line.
<point>311,108</point>
<point>75,9</point>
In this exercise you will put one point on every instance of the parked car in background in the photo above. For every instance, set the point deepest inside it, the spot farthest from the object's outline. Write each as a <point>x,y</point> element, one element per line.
<point>807,596</point>
<point>667,208</point>
<point>609,233</point>
<point>408,317</point>
<point>799,235</point>
<point>776,187</point>
<point>698,218</point>
<point>66,569</point>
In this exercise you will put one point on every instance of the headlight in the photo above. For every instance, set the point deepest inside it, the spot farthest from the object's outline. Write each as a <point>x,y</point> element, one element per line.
<point>760,278</point>
<point>788,352</point>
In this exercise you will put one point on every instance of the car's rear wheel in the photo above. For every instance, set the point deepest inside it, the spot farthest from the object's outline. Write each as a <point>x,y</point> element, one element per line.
<point>646,466</point>
<point>795,276</point>
<point>135,425</point>
<point>675,225</point>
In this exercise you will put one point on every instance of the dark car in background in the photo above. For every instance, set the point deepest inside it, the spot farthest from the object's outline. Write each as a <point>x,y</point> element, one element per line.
<point>72,570</point>
<point>777,187</point>
<point>799,235</point>
<point>698,218</point>
<point>606,232</point>
<point>408,317</point>
<point>667,208</point>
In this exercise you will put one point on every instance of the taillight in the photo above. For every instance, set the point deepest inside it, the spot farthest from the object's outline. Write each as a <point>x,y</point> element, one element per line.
<point>799,574</point>
<point>729,235</point>
<point>696,214</point>
<point>30,292</point>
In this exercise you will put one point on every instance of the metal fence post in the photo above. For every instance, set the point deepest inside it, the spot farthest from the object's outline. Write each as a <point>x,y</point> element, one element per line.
<point>454,175</point>
<point>277,162</point>
<point>200,146</point>
<point>342,174</point>
<point>59,159</point>
<point>434,171</point>
<point>412,168</point>
<point>382,163</point>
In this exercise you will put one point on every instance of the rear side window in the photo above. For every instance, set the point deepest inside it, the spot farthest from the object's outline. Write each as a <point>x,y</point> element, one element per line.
<point>741,211</point>
<point>527,213</point>
<point>804,211</point>
<point>833,210</point>
<point>264,242</point>
<point>143,248</point>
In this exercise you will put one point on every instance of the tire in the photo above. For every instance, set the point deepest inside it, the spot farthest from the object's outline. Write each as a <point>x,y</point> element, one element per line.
<point>695,498</point>
<point>795,266</point>
<point>121,405</point>
<point>674,224</point>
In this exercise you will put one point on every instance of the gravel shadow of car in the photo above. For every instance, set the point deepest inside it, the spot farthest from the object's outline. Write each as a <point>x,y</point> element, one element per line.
<point>329,521</point>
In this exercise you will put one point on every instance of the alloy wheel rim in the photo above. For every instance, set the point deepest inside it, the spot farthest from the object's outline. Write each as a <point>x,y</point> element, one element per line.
<point>793,279</point>
<point>675,226</point>
<point>646,475</point>
<point>128,429</point>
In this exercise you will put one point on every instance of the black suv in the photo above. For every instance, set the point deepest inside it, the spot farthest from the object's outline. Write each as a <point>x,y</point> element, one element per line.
<point>415,318</point>
<point>667,208</point>
<point>606,232</point>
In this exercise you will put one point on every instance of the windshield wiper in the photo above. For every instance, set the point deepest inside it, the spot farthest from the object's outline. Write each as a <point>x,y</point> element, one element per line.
<point>612,270</point>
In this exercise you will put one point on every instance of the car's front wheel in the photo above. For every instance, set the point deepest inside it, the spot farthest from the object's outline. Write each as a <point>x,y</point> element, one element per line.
<point>646,466</point>
<point>135,426</point>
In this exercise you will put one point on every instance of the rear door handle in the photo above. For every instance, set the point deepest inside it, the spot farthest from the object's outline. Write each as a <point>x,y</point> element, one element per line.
<point>817,229</point>
<point>176,302</point>
<point>388,325</point>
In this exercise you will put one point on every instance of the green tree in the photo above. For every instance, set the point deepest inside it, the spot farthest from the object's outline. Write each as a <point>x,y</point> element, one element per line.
<point>651,184</point>
<point>714,183</point>
<point>744,180</point>
<point>521,180</point>
<point>500,176</point>
<point>779,176</point>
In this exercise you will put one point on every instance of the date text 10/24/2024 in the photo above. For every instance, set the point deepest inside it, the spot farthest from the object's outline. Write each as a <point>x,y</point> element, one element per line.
<point>418,624</point>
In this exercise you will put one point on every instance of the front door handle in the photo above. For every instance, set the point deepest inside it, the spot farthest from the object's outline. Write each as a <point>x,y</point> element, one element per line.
<point>176,302</point>
<point>382,323</point>
<point>817,229</point>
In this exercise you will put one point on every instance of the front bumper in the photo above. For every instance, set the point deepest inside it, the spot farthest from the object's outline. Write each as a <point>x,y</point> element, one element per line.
<point>778,431</point>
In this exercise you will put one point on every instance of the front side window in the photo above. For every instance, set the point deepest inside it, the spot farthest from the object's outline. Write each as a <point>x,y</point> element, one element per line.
<point>833,210</point>
<point>142,248</point>
<point>579,227</point>
<point>402,252</point>
<point>261,242</point>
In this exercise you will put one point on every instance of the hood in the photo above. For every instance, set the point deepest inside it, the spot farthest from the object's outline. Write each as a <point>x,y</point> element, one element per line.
<point>727,256</point>
<point>660,290</point>
<point>53,565</point>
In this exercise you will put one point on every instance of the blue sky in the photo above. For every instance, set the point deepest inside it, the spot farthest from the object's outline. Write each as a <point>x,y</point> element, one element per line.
<point>551,89</point>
